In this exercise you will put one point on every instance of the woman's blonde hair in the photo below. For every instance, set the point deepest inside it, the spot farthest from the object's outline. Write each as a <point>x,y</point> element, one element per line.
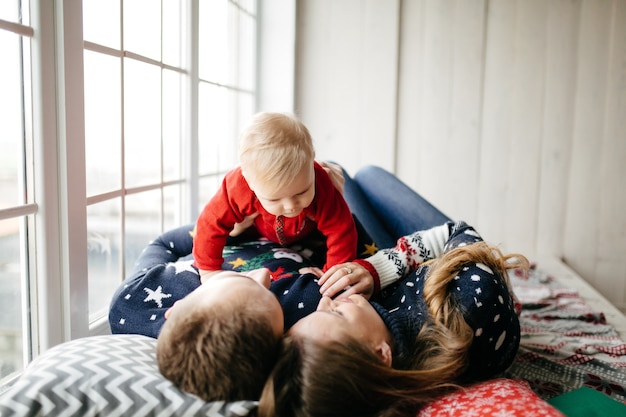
<point>274,148</point>
<point>314,378</point>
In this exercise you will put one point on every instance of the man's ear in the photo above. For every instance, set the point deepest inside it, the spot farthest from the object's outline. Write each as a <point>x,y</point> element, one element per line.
<point>169,310</point>
<point>383,350</point>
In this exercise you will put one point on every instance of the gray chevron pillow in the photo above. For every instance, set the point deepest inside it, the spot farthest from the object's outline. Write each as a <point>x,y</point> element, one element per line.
<point>110,375</point>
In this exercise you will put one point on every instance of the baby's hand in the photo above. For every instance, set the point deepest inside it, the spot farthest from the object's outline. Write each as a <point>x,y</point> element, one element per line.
<point>240,227</point>
<point>351,277</point>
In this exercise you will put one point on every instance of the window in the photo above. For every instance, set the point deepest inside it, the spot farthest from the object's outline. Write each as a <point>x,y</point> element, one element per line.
<point>17,208</point>
<point>120,129</point>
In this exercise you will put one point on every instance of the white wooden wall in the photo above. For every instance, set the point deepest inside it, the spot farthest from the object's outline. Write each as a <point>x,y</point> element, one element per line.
<point>510,114</point>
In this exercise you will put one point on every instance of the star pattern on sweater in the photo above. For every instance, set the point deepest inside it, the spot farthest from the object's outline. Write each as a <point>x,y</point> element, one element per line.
<point>156,295</point>
<point>183,266</point>
<point>370,249</point>
<point>237,263</point>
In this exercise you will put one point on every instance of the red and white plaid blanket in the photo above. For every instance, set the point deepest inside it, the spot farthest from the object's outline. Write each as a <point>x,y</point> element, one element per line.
<point>565,345</point>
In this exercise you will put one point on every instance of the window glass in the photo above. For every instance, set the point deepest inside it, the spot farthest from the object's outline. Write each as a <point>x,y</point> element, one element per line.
<point>249,6</point>
<point>173,138</point>
<point>246,109</point>
<point>173,207</point>
<point>11,298</point>
<point>207,188</point>
<point>104,227</point>
<point>101,22</point>
<point>11,136</point>
<point>213,126</point>
<point>142,123</point>
<point>142,27</point>
<point>214,41</point>
<point>103,144</point>
<point>10,11</point>
<point>173,51</point>
<point>142,224</point>
<point>246,68</point>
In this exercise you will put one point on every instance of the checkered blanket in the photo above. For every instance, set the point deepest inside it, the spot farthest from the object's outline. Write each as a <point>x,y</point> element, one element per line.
<point>565,345</point>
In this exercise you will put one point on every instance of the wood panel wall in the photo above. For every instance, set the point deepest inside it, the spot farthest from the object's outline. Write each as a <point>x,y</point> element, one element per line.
<point>510,114</point>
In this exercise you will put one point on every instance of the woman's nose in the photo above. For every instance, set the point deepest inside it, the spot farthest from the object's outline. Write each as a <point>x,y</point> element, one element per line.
<point>325,304</point>
<point>262,276</point>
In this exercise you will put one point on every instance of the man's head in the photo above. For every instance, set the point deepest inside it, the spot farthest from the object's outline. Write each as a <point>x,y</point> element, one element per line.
<point>221,341</point>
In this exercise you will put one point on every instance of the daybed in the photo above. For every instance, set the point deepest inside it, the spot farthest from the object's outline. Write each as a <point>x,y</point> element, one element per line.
<point>572,338</point>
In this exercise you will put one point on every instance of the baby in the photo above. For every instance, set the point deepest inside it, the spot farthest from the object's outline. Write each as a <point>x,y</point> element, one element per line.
<point>278,192</point>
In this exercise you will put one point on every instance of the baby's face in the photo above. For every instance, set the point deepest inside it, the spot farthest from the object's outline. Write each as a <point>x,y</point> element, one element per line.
<point>288,201</point>
<point>230,287</point>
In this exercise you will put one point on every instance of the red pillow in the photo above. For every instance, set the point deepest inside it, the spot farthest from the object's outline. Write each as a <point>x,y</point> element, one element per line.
<point>498,397</point>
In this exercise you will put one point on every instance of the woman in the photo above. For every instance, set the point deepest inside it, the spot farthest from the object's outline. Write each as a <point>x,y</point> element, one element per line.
<point>449,321</point>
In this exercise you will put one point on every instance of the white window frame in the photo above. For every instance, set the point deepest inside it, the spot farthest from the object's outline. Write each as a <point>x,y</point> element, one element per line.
<point>58,295</point>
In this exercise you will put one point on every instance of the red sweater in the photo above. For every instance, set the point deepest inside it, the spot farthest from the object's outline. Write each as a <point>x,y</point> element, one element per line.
<point>328,213</point>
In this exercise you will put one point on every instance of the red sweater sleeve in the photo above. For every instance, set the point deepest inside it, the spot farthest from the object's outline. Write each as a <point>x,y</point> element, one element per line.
<point>334,220</point>
<point>232,202</point>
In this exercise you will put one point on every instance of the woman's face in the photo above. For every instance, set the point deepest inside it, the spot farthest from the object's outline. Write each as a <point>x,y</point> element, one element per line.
<point>335,319</point>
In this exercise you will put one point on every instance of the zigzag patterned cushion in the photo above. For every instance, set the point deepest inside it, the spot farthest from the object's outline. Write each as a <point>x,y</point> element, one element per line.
<point>109,375</point>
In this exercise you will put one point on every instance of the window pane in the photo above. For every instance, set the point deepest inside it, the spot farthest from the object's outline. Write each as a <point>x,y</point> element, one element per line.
<point>103,145</point>
<point>10,11</point>
<point>104,262</point>
<point>11,355</point>
<point>246,107</point>
<point>142,123</point>
<point>172,134</point>
<point>101,22</point>
<point>173,206</point>
<point>173,50</point>
<point>142,27</point>
<point>248,5</point>
<point>11,132</point>
<point>215,130</point>
<point>214,41</point>
<point>247,52</point>
<point>208,187</point>
<point>143,224</point>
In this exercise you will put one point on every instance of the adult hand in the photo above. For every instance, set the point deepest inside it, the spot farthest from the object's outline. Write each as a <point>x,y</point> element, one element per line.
<point>349,276</point>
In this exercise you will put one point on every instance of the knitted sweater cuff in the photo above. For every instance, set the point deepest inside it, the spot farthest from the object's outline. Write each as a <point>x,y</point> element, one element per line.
<point>387,270</point>
<point>372,271</point>
<point>410,251</point>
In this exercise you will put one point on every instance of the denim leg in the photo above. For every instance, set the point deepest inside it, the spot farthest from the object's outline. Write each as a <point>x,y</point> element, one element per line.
<point>402,210</point>
<point>362,210</point>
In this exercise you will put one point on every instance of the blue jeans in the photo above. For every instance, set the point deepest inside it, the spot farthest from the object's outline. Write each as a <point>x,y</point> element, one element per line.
<point>388,208</point>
